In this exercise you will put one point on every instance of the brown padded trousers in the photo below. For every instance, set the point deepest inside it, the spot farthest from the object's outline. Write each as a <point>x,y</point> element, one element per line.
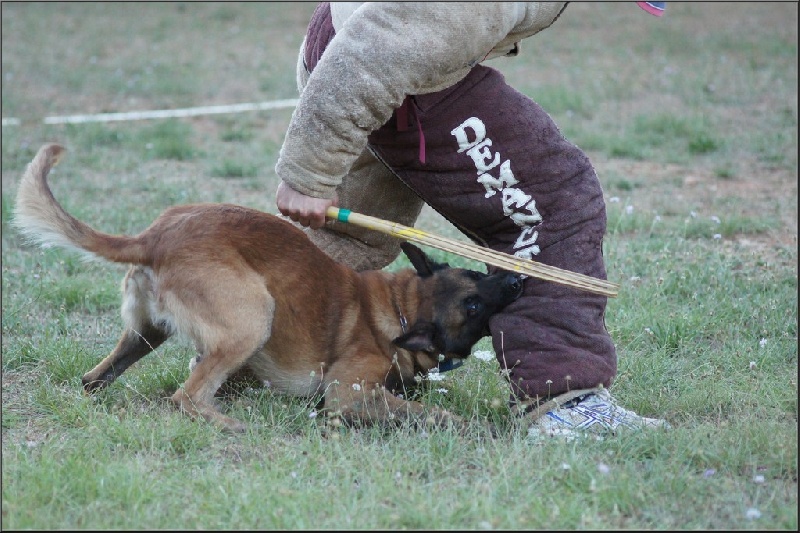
<point>498,168</point>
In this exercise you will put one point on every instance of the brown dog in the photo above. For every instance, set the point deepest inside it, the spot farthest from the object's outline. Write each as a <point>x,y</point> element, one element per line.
<point>253,293</point>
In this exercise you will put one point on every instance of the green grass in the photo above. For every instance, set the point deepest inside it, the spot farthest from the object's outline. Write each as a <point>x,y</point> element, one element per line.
<point>652,136</point>
<point>701,188</point>
<point>170,139</point>
<point>230,168</point>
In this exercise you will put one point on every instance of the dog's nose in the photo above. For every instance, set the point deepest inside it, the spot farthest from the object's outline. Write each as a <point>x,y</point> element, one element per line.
<point>513,284</point>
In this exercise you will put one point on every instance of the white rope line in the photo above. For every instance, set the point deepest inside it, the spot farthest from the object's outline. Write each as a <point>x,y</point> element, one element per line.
<point>162,113</point>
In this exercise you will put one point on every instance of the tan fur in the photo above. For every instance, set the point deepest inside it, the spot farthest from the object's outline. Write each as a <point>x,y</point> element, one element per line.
<point>253,293</point>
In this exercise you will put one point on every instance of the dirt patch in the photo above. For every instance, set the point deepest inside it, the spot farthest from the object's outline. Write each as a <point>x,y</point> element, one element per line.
<point>762,188</point>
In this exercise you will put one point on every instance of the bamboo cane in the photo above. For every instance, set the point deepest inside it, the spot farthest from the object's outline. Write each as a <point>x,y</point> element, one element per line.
<point>478,253</point>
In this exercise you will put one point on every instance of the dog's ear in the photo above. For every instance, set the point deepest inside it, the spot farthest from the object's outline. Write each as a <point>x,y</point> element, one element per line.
<point>424,265</point>
<point>420,338</point>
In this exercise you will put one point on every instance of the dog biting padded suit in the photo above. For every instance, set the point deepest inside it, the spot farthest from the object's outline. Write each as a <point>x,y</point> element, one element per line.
<point>495,165</point>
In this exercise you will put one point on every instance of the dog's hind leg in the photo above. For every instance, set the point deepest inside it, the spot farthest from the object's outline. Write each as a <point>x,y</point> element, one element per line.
<point>132,346</point>
<point>233,323</point>
<point>141,335</point>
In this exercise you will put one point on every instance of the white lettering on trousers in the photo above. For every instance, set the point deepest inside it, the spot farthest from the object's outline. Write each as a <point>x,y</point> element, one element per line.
<point>519,206</point>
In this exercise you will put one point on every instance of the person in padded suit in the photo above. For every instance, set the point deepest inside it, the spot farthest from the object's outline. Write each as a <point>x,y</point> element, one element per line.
<point>397,109</point>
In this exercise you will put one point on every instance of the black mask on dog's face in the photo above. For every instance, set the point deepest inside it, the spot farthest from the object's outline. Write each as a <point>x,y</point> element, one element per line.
<point>462,303</point>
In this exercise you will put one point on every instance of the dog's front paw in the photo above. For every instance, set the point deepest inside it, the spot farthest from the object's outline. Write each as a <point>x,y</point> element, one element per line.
<point>442,418</point>
<point>445,419</point>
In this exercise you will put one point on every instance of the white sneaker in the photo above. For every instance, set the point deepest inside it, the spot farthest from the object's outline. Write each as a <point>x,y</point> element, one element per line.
<point>592,414</point>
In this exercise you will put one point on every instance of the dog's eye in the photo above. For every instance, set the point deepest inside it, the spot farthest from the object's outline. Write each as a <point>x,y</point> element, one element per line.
<point>474,305</point>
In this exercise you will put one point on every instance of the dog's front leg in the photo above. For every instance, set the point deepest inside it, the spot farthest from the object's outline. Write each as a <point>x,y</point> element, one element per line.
<point>366,404</point>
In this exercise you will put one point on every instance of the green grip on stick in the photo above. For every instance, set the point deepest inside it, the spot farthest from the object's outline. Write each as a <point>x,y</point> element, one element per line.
<point>343,215</point>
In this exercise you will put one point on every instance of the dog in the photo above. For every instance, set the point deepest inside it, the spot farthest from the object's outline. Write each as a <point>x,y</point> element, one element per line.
<point>255,294</point>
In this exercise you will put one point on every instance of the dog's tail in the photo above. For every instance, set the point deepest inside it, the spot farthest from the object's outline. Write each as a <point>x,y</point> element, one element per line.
<point>39,216</point>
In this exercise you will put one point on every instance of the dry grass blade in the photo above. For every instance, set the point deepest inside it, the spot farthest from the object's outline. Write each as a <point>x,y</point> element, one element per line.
<point>478,253</point>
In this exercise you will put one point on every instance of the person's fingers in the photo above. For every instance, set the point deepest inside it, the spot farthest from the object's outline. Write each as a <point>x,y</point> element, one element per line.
<point>305,210</point>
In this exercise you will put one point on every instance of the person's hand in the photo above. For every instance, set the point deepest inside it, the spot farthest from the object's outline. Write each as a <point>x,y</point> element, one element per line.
<point>306,210</point>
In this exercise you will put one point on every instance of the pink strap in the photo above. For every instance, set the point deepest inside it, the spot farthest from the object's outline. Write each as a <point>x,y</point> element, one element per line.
<point>421,140</point>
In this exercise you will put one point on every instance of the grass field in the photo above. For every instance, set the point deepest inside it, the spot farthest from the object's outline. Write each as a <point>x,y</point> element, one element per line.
<point>691,123</point>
